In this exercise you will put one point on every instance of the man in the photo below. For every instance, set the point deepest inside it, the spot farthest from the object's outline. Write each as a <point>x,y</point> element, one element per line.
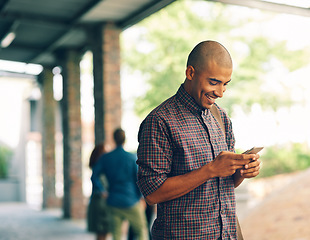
<point>123,195</point>
<point>187,165</point>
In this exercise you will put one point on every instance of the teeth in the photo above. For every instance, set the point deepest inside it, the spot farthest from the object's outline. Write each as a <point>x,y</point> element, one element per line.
<point>212,98</point>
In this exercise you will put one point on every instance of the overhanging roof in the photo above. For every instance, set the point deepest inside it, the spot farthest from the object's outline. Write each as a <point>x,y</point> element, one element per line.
<point>42,27</point>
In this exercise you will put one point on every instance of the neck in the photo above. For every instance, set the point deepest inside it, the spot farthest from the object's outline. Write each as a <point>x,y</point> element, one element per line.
<point>186,85</point>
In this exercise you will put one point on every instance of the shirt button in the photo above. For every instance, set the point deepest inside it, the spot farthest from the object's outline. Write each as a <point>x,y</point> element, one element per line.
<point>222,212</point>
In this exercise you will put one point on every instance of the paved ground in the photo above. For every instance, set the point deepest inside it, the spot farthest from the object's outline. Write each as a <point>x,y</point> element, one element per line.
<point>282,214</point>
<point>19,222</point>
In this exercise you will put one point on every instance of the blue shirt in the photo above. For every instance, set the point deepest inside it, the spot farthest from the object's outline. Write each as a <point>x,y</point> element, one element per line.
<point>174,139</point>
<point>120,170</point>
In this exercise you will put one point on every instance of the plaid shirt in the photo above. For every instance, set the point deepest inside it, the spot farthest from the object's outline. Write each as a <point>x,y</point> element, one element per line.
<point>175,138</point>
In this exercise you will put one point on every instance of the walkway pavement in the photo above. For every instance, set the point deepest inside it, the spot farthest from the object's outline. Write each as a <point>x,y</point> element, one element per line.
<point>282,214</point>
<point>19,222</point>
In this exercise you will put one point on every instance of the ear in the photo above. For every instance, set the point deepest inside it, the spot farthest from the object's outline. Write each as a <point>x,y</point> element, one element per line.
<point>190,71</point>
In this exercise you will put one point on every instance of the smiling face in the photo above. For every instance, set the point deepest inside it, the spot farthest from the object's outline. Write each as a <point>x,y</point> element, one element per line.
<point>209,70</point>
<point>207,84</point>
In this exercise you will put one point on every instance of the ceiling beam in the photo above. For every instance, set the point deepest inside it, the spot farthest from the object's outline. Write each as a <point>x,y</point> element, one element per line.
<point>7,73</point>
<point>3,4</point>
<point>91,4</point>
<point>34,20</point>
<point>268,6</point>
<point>52,22</point>
<point>148,10</point>
<point>44,20</point>
<point>131,20</point>
<point>24,47</point>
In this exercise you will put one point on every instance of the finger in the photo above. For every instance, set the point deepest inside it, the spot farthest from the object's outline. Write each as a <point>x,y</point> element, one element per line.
<point>254,168</point>
<point>254,157</point>
<point>254,163</point>
<point>246,156</point>
<point>251,172</point>
<point>241,162</point>
<point>250,175</point>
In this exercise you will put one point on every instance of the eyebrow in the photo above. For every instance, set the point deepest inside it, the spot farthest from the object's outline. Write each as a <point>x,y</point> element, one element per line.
<point>216,80</point>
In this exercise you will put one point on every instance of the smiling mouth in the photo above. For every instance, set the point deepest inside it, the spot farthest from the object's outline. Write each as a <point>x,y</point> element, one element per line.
<point>211,99</point>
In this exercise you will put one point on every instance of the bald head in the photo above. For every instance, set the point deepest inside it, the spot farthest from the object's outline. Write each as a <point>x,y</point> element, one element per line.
<point>209,51</point>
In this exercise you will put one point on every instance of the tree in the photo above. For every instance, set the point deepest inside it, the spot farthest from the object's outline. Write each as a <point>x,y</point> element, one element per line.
<point>169,36</point>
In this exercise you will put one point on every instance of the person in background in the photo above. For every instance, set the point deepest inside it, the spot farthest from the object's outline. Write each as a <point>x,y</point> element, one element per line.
<point>98,220</point>
<point>187,164</point>
<point>123,196</point>
<point>149,213</point>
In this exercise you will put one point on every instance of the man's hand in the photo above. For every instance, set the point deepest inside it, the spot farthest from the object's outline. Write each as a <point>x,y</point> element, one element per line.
<point>252,169</point>
<point>227,163</point>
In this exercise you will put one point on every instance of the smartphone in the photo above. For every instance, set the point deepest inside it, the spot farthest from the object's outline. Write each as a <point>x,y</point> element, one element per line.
<point>253,150</point>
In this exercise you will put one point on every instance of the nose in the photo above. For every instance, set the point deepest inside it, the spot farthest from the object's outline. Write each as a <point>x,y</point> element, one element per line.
<point>219,92</point>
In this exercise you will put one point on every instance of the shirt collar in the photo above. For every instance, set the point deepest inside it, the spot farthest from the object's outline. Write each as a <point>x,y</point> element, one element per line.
<point>189,102</point>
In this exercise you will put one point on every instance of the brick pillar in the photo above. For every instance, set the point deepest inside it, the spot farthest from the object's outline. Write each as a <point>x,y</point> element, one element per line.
<point>48,141</point>
<point>105,45</point>
<point>73,201</point>
<point>95,40</point>
<point>111,80</point>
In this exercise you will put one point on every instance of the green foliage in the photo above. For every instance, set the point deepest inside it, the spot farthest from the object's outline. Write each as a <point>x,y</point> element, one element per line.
<point>166,38</point>
<point>5,154</point>
<point>245,89</point>
<point>285,159</point>
<point>171,34</point>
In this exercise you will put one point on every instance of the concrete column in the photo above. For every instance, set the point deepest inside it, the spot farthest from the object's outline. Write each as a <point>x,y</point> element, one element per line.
<point>48,141</point>
<point>73,201</point>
